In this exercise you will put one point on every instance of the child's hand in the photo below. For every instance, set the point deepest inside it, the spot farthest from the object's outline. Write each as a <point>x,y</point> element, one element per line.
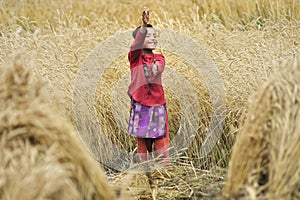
<point>154,69</point>
<point>145,18</point>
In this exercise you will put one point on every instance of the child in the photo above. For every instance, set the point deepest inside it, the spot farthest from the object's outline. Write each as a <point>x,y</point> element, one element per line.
<point>148,114</point>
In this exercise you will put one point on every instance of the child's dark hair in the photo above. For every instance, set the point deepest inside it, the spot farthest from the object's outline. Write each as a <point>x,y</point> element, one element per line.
<point>137,29</point>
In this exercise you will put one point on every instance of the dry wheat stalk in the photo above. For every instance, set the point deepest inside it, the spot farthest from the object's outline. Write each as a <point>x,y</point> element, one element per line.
<point>265,159</point>
<point>248,42</point>
<point>41,157</point>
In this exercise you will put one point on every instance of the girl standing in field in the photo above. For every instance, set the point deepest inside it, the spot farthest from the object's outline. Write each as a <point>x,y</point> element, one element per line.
<point>148,114</point>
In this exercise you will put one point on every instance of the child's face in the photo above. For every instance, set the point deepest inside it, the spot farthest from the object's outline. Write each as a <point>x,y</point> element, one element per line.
<point>150,40</point>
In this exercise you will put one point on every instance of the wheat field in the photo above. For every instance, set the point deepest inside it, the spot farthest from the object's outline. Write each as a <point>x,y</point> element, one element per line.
<point>239,46</point>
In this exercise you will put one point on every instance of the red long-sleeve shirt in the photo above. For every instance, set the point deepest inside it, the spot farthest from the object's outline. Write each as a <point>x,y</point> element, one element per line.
<point>148,92</point>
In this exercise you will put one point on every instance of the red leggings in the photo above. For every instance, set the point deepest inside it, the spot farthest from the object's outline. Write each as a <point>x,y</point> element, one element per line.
<point>161,148</point>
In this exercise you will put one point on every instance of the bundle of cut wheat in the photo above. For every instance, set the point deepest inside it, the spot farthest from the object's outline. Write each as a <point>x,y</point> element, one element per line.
<point>265,159</point>
<point>41,157</point>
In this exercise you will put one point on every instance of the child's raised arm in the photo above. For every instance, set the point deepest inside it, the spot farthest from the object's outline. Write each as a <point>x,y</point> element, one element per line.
<point>136,47</point>
<point>145,19</point>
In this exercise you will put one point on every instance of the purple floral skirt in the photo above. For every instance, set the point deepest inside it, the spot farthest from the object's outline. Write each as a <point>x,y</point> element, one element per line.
<point>147,121</point>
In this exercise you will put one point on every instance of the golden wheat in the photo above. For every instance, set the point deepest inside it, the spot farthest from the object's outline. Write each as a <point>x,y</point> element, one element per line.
<point>264,162</point>
<point>248,42</point>
<point>41,156</point>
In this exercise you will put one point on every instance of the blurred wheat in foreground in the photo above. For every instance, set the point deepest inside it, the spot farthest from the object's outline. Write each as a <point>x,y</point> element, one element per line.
<point>40,156</point>
<point>265,159</point>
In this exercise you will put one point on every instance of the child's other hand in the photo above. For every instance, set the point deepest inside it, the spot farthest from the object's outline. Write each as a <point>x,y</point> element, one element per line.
<point>154,69</point>
<point>145,18</point>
